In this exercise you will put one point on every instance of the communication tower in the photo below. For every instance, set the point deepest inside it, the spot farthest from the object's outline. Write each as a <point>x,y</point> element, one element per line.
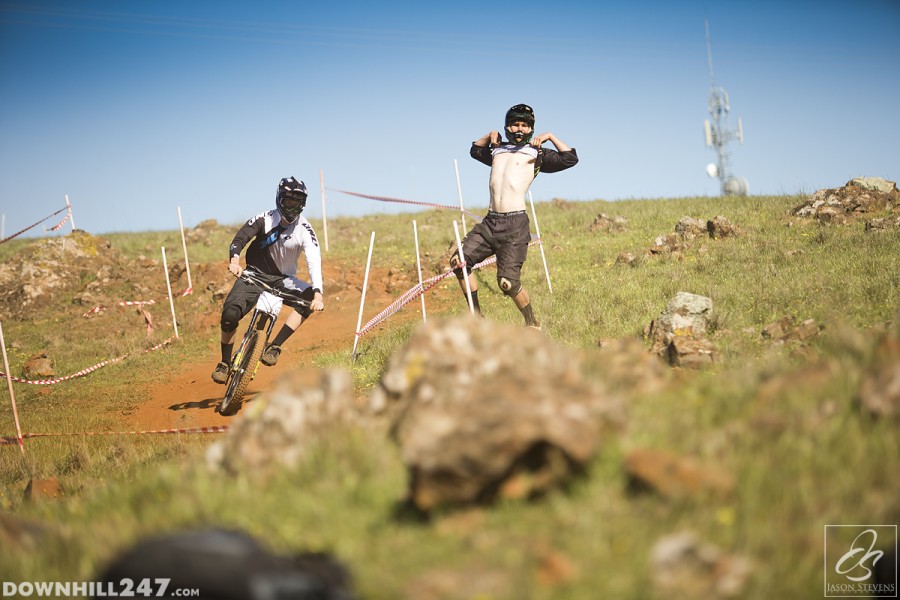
<point>718,134</point>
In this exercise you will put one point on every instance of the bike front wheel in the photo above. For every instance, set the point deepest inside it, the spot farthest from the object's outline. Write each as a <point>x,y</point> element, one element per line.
<point>241,373</point>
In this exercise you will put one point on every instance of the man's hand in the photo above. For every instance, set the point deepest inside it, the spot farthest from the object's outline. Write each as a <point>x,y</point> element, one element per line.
<point>317,304</point>
<point>235,266</point>
<point>488,139</point>
<point>537,140</point>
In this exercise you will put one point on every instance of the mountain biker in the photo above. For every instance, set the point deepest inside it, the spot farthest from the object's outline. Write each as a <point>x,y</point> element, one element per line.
<point>276,238</point>
<point>505,231</point>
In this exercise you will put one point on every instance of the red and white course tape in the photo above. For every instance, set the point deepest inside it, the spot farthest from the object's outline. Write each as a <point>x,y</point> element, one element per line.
<point>83,372</point>
<point>10,440</point>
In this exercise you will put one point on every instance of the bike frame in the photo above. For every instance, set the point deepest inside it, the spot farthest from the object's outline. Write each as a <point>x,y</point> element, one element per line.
<point>268,306</point>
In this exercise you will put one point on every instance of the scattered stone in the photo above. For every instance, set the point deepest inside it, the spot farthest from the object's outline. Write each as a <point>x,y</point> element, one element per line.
<point>875,184</point>
<point>562,204</point>
<point>883,224</point>
<point>38,366</point>
<point>628,259</point>
<point>690,352</point>
<point>482,411</point>
<point>720,227</point>
<point>787,329</point>
<point>278,429</point>
<point>666,243</point>
<point>687,316</point>
<point>675,477</point>
<point>603,222</point>
<point>689,228</point>
<point>684,567</point>
<point>859,196</point>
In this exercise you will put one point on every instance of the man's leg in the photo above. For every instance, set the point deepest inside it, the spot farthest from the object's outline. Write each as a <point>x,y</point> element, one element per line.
<point>236,305</point>
<point>523,303</point>
<point>273,350</point>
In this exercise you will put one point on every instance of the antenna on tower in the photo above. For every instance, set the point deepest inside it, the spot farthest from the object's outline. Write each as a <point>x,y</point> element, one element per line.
<point>717,133</point>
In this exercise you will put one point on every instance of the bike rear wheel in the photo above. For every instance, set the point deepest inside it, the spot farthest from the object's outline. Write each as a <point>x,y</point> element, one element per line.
<point>241,374</point>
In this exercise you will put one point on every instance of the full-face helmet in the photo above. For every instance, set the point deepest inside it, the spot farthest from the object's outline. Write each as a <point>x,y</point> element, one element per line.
<point>290,198</point>
<point>519,112</point>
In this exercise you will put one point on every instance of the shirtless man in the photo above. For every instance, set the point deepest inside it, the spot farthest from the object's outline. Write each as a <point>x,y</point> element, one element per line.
<point>505,231</point>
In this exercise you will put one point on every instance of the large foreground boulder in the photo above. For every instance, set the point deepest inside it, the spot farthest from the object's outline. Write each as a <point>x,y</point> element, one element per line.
<point>482,411</point>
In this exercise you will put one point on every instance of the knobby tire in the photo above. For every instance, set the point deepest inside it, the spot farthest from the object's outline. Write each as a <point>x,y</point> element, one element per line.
<point>237,386</point>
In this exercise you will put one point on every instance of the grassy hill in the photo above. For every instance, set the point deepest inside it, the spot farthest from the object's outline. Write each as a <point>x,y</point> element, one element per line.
<point>781,418</point>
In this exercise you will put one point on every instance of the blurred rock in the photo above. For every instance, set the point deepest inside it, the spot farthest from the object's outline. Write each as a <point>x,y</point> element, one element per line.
<point>20,534</point>
<point>667,243</point>
<point>673,476</point>
<point>278,429</point>
<point>38,366</point>
<point>224,565</point>
<point>43,489</point>
<point>628,366</point>
<point>629,259</point>
<point>684,567</point>
<point>482,411</point>
<point>603,222</point>
<point>879,391</point>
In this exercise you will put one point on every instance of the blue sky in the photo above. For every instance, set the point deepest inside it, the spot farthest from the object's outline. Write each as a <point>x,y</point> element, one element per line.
<point>135,108</point>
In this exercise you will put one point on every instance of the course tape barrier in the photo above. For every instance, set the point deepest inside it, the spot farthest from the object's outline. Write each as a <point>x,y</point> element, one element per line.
<point>60,224</point>
<point>86,371</point>
<point>98,309</point>
<point>401,201</point>
<point>18,233</point>
<point>10,440</point>
<point>416,291</point>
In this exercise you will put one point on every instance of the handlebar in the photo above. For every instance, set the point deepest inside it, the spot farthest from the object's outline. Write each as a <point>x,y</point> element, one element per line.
<point>293,296</point>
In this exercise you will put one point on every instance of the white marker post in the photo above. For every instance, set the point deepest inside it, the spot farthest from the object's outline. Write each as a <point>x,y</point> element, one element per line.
<point>419,268</point>
<point>187,263</point>
<point>169,288</point>
<point>462,259</point>
<point>462,211</point>
<point>11,395</point>
<point>71,218</point>
<point>362,300</point>
<point>537,230</point>
<point>3,227</point>
<point>324,218</point>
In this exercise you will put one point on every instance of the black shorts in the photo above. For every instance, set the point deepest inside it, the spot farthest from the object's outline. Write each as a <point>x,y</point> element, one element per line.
<point>244,295</point>
<point>505,235</point>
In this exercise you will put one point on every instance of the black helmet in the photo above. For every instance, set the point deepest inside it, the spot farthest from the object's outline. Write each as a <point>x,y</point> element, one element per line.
<point>290,198</point>
<point>520,112</point>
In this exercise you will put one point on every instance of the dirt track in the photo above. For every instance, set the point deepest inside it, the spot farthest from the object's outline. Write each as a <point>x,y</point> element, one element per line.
<point>191,397</point>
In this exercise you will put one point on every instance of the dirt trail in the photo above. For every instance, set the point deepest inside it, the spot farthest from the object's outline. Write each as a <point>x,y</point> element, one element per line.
<point>191,397</point>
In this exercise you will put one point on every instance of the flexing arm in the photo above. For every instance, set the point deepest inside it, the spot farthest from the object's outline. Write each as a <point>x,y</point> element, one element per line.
<point>549,137</point>
<point>313,263</point>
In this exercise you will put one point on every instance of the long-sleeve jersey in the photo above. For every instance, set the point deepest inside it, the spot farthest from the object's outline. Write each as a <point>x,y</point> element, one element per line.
<point>275,249</point>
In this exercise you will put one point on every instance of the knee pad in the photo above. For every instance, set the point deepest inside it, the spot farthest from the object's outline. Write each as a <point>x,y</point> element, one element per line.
<point>510,287</point>
<point>231,316</point>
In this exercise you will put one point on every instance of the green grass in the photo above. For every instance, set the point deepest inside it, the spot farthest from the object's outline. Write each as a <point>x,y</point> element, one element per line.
<point>780,418</point>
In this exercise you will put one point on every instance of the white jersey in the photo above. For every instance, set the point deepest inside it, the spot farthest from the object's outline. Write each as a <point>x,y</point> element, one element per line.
<point>275,249</point>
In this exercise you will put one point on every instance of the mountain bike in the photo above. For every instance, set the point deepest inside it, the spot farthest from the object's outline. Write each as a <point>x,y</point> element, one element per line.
<point>245,361</point>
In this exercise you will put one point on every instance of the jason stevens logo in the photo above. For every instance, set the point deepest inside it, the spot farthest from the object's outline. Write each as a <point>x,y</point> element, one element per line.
<point>861,561</point>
